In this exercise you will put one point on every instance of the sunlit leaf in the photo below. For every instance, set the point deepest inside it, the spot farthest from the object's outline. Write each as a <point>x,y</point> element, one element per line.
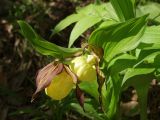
<point>43,46</point>
<point>152,8</point>
<point>151,35</point>
<point>119,38</point>
<point>135,72</point>
<point>66,22</point>
<point>85,18</point>
<point>91,88</point>
<point>124,9</point>
<point>81,26</point>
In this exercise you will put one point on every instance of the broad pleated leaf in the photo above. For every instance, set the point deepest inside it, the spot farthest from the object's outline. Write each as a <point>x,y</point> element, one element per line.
<point>93,14</point>
<point>119,38</point>
<point>91,88</point>
<point>124,9</point>
<point>66,22</point>
<point>43,46</point>
<point>151,35</point>
<point>147,56</point>
<point>150,40</point>
<point>122,62</point>
<point>90,111</point>
<point>132,72</point>
<point>80,14</point>
<point>81,26</point>
<point>117,67</point>
<point>148,46</point>
<point>103,10</point>
<point>110,12</point>
<point>140,79</point>
<point>152,8</point>
<point>85,18</point>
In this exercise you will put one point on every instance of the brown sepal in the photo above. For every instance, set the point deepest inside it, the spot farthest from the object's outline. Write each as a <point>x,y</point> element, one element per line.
<point>100,80</point>
<point>46,75</point>
<point>80,96</point>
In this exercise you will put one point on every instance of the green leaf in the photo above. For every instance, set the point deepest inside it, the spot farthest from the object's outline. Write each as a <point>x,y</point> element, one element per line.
<point>106,95</point>
<point>66,22</point>
<point>86,17</point>
<point>150,38</point>
<point>117,68</point>
<point>132,72</point>
<point>93,14</point>
<point>140,79</point>
<point>118,38</point>
<point>81,26</point>
<point>103,10</point>
<point>156,61</point>
<point>109,12</point>
<point>43,46</point>
<point>115,94</point>
<point>124,9</point>
<point>107,23</point>
<point>91,88</point>
<point>80,14</point>
<point>121,63</point>
<point>147,57</point>
<point>151,46</point>
<point>87,10</point>
<point>152,8</point>
<point>151,35</point>
<point>90,111</point>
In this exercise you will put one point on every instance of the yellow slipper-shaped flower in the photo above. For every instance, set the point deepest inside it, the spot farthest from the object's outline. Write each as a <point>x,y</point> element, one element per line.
<point>57,80</point>
<point>60,86</point>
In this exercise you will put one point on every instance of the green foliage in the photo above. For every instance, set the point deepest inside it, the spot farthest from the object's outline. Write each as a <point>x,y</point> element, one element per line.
<point>150,7</point>
<point>91,110</point>
<point>131,52</point>
<point>125,9</point>
<point>43,46</point>
<point>112,38</point>
<point>85,18</point>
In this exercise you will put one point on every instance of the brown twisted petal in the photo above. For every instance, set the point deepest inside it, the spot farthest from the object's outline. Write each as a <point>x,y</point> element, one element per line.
<point>74,77</point>
<point>80,97</point>
<point>46,75</point>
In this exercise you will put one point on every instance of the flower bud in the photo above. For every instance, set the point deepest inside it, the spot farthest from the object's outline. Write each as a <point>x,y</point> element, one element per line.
<point>84,67</point>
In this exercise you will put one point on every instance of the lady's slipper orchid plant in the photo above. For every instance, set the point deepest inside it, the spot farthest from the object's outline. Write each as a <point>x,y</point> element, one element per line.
<point>60,77</point>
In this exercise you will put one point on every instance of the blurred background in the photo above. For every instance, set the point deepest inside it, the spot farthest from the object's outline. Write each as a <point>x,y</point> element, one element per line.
<point>19,62</point>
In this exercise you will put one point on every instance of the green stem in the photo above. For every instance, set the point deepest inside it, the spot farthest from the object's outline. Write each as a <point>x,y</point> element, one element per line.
<point>142,98</point>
